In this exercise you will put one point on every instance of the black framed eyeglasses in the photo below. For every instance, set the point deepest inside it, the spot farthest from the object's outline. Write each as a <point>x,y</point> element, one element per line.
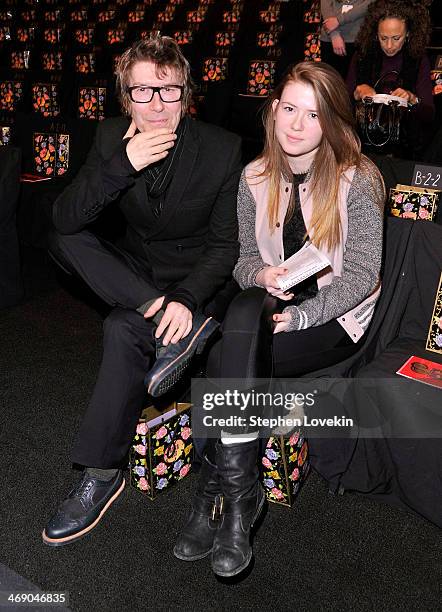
<point>142,94</point>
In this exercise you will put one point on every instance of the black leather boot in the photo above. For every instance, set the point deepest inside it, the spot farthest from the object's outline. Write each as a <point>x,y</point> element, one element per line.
<point>243,500</point>
<point>196,539</point>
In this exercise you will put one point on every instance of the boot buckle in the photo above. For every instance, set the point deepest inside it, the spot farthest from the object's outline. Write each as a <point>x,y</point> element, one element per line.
<point>217,508</point>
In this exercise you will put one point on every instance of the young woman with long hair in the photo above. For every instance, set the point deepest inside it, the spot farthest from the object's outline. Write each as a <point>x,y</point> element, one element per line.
<point>310,182</point>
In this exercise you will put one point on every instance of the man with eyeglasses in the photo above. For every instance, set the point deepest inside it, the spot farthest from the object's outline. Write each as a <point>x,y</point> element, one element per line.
<point>175,180</point>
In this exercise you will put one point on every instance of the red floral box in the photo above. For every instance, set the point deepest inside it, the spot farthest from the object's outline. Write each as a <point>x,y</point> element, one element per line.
<point>161,453</point>
<point>51,153</point>
<point>261,77</point>
<point>285,467</point>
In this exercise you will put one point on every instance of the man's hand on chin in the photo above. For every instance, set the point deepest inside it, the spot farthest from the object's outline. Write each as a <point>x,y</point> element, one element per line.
<point>176,321</point>
<point>146,148</point>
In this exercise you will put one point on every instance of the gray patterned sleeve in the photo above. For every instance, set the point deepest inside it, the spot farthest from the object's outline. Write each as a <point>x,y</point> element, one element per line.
<point>249,262</point>
<point>362,256</point>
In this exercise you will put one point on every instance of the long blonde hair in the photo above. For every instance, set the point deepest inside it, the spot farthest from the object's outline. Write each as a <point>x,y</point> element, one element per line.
<point>340,149</point>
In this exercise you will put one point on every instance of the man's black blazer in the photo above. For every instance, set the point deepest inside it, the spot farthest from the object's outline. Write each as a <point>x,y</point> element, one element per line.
<point>193,245</point>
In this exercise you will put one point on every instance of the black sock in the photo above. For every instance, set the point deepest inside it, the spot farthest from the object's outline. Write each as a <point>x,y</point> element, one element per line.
<point>101,474</point>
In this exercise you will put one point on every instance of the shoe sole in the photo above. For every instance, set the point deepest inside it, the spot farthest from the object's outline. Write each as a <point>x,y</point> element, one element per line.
<point>169,380</point>
<point>246,563</point>
<point>77,536</point>
<point>194,558</point>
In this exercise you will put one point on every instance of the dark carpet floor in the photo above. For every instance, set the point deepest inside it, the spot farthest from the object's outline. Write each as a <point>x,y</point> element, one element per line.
<point>326,553</point>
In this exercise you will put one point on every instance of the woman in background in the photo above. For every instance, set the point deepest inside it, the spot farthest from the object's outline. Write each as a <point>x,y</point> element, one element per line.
<point>310,181</point>
<point>391,59</point>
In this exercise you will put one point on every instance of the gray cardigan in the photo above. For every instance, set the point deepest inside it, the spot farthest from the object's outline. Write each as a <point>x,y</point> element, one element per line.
<point>363,249</point>
<point>350,21</point>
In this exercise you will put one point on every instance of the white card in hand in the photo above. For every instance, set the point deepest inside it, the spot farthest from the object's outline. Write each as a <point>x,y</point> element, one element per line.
<point>302,264</point>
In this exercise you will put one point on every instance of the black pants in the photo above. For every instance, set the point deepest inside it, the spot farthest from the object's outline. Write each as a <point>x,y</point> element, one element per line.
<point>128,345</point>
<point>249,349</point>
<point>340,62</point>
